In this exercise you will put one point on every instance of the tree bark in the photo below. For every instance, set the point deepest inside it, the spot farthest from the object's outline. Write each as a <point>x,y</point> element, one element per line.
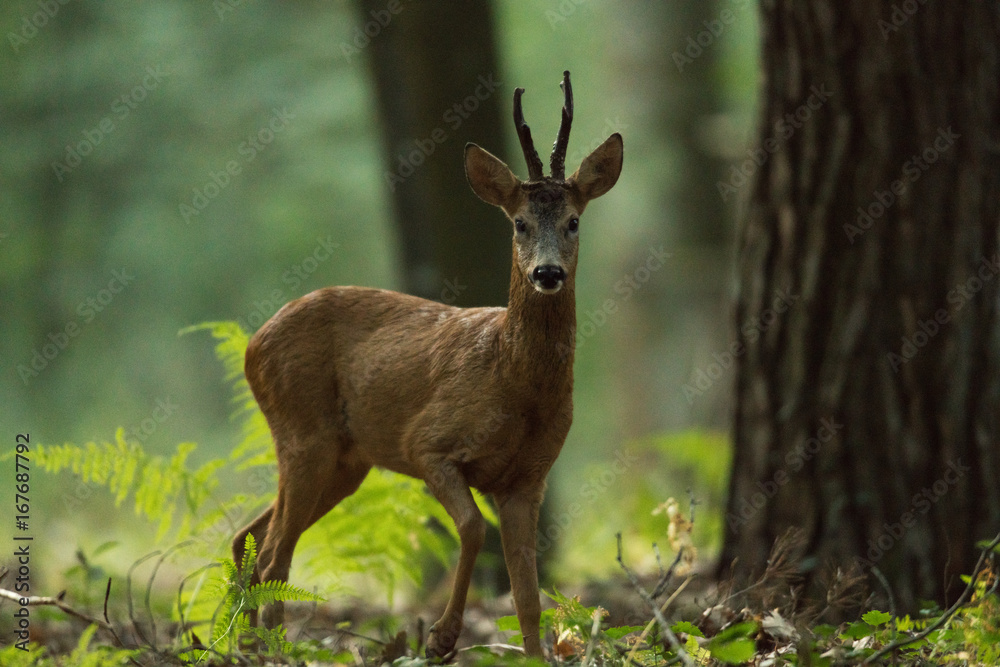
<point>438,85</point>
<point>867,384</point>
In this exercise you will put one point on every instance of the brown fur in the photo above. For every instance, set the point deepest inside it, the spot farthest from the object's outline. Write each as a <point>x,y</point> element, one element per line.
<point>350,378</point>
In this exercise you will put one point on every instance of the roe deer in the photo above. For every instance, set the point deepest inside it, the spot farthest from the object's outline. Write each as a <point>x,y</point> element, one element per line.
<point>351,377</point>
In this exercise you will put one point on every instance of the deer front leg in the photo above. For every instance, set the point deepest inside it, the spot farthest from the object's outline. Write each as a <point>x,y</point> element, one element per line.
<point>518,523</point>
<point>451,489</point>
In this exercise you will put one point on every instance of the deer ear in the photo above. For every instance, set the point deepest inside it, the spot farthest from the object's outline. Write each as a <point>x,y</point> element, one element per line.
<point>490,178</point>
<point>599,171</point>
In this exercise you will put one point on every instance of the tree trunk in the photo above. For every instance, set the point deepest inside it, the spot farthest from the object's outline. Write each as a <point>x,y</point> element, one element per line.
<point>438,86</point>
<point>868,350</point>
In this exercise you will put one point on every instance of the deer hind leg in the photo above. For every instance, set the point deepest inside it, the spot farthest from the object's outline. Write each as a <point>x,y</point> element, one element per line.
<point>449,486</point>
<point>308,488</point>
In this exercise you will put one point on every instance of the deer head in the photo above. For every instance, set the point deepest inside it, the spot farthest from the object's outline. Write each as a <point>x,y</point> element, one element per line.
<point>545,210</point>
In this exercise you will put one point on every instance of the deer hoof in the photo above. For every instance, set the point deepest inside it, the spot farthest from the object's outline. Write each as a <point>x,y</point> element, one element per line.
<point>441,645</point>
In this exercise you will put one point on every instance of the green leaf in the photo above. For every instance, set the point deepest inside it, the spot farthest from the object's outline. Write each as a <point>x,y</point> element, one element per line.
<point>857,630</point>
<point>687,628</point>
<point>904,624</point>
<point>985,543</point>
<point>734,631</point>
<point>485,508</point>
<point>101,548</point>
<point>508,623</point>
<point>733,645</point>
<point>876,618</point>
<point>735,652</point>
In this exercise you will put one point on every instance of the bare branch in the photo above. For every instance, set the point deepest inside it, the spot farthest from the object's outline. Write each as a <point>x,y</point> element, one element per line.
<point>34,600</point>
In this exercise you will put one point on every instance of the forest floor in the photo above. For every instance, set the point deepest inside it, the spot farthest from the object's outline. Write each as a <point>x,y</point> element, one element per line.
<point>604,623</point>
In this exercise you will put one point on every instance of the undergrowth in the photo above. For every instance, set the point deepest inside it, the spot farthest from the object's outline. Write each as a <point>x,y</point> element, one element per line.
<point>210,620</point>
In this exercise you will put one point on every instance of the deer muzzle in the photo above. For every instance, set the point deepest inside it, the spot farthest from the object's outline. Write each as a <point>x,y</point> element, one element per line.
<point>548,278</point>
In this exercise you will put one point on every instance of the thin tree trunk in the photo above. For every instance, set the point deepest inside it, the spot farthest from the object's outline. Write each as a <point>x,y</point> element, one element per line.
<point>868,391</point>
<point>439,85</point>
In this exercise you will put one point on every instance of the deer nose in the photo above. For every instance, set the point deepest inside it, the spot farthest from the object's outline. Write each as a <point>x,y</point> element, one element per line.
<point>548,276</point>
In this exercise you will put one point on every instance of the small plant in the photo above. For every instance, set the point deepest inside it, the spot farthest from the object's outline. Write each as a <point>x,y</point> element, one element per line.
<point>232,627</point>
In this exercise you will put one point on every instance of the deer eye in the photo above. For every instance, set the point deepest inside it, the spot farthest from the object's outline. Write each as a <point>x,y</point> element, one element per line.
<point>574,224</point>
<point>520,226</point>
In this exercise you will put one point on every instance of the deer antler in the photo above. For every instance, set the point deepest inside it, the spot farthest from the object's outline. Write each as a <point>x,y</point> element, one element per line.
<point>558,159</point>
<point>524,134</point>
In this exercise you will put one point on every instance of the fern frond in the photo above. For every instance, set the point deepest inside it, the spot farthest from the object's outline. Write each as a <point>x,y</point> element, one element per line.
<point>229,570</point>
<point>278,591</point>
<point>255,447</point>
<point>274,639</point>
<point>124,468</point>
<point>249,557</point>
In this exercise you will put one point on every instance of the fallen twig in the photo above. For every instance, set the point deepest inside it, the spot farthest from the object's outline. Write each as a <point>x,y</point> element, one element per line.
<point>667,632</point>
<point>663,609</point>
<point>34,600</point>
<point>110,628</point>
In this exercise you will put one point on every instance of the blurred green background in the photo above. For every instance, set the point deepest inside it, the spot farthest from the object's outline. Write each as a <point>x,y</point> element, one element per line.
<point>101,265</point>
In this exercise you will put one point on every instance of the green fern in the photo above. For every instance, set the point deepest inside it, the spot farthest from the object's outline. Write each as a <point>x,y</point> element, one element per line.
<point>240,598</point>
<point>159,485</point>
<point>255,447</point>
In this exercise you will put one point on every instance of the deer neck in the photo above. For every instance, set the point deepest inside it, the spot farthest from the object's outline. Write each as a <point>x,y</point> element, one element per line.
<point>539,331</point>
